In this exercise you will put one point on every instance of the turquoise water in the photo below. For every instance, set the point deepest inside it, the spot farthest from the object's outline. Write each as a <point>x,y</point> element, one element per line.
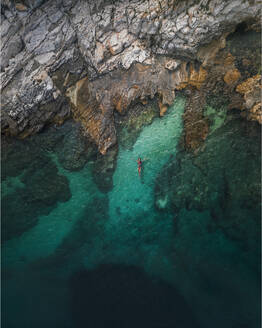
<point>174,248</point>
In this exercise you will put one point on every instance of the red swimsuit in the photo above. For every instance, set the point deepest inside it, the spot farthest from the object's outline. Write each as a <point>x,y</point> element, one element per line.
<point>139,162</point>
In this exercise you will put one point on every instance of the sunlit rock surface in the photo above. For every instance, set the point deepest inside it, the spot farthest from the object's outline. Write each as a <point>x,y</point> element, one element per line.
<point>150,48</point>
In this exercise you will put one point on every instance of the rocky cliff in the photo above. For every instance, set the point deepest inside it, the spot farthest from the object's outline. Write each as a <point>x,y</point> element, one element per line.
<point>87,59</point>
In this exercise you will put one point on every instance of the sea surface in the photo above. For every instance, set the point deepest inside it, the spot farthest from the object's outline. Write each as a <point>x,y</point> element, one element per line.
<point>86,242</point>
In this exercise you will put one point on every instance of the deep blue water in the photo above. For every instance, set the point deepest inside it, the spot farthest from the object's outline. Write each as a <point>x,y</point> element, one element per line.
<point>87,243</point>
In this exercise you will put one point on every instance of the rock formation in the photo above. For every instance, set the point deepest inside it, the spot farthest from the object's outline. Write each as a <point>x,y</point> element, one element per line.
<point>90,58</point>
<point>221,179</point>
<point>251,89</point>
<point>38,191</point>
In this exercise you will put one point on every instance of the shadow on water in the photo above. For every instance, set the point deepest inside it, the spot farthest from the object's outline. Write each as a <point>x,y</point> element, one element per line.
<point>117,296</point>
<point>31,182</point>
<point>85,231</point>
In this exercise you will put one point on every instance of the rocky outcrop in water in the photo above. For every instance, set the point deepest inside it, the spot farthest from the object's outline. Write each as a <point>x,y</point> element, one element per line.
<point>33,174</point>
<point>101,57</point>
<point>211,180</point>
<point>251,89</point>
<point>36,192</point>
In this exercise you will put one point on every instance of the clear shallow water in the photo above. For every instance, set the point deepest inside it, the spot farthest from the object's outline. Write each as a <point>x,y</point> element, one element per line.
<point>131,201</point>
<point>160,268</point>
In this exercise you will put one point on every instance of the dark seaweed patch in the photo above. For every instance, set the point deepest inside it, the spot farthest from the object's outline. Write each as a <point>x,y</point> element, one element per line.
<point>117,296</point>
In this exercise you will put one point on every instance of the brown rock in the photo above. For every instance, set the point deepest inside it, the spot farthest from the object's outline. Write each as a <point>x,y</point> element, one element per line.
<point>251,90</point>
<point>207,54</point>
<point>163,108</point>
<point>197,78</point>
<point>236,101</point>
<point>89,112</point>
<point>144,101</point>
<point>246,62</point>
<point>229,60</point>
<point>232,76</point>
<point>93,102</point>
<point>249,84</point>
<point>256,113</point>
<point>195,125</point>
<point>20,7</point>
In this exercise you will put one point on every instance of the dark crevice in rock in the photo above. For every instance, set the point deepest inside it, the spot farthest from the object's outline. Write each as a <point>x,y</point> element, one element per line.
<point>241,28</point>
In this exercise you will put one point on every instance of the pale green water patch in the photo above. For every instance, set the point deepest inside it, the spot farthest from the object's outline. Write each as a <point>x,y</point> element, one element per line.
<point>155,144</point>
<point>216,117</point>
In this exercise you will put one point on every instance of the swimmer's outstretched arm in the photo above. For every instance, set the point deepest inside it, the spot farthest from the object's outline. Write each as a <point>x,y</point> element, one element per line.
<point>145,159</point>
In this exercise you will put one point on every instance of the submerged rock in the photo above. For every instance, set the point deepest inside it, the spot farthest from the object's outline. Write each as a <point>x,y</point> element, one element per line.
<point>161,203</point>
<point>251,89</point>
<point>46,185</point>
<point>223,177</point>
<point>75,150</point>
<point>223,86</point>
<point>104,168</point>
<point>125,296</point>
<point>43,188</point>
<point>196,125</point>
<point>37,186</point>
<point>86,230</point>
<point>129,126</point>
